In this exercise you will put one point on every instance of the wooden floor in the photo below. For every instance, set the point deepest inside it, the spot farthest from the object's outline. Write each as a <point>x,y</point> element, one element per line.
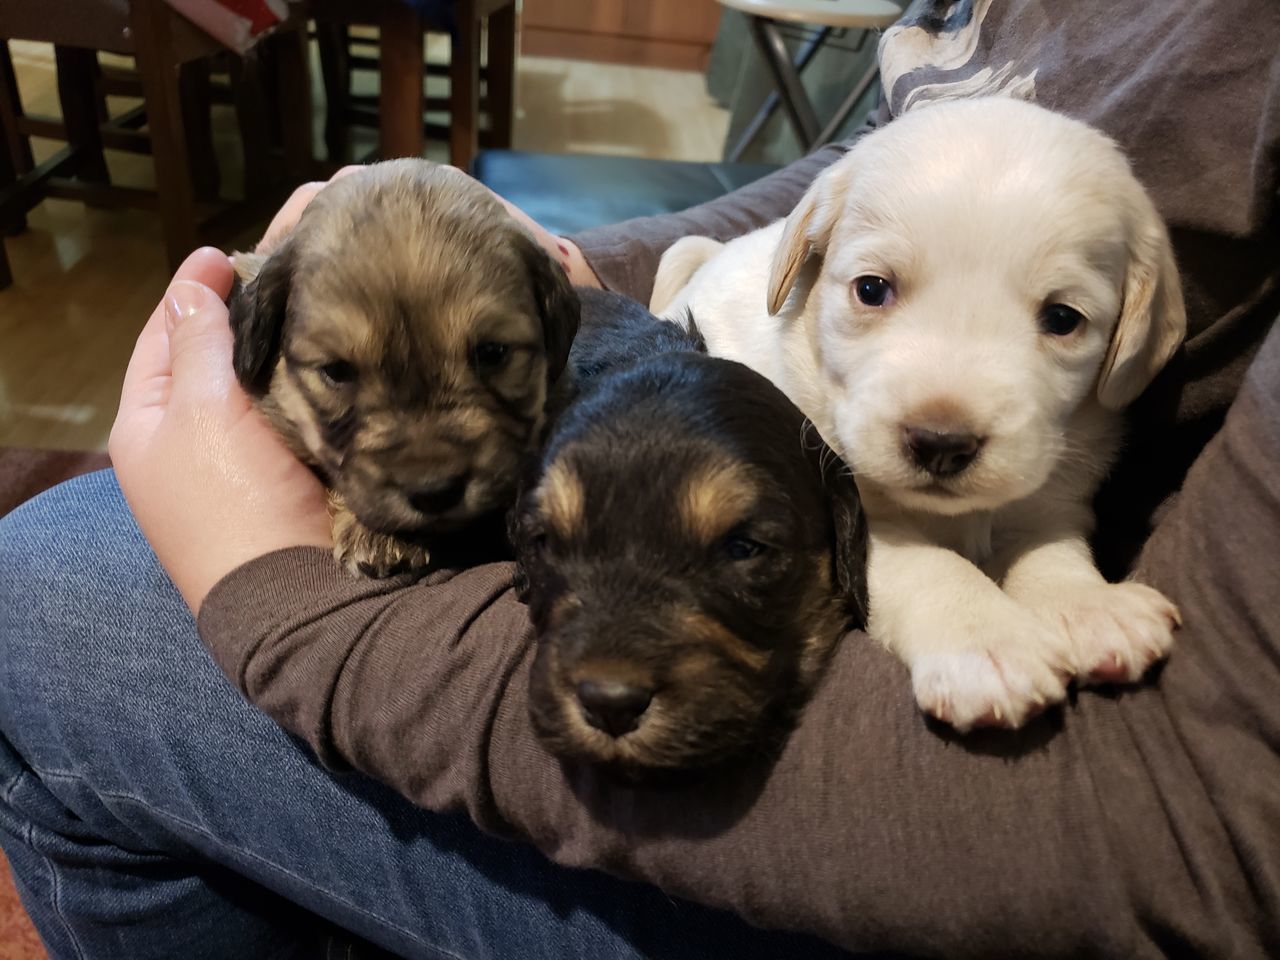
<point>85,280</point>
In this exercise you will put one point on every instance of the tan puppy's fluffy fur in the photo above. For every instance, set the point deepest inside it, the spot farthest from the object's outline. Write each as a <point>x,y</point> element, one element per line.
<point>979,216</point>
<point>405,339</point>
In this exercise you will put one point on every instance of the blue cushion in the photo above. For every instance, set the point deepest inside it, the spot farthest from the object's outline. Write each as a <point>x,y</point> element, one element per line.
<point>571,192</point>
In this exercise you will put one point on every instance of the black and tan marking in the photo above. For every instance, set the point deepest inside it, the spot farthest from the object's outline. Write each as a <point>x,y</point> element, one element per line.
<point>689,564</point>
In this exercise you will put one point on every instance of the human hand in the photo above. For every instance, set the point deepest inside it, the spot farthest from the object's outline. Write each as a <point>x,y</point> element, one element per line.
<point>560,249</point>
<point>209,481</point>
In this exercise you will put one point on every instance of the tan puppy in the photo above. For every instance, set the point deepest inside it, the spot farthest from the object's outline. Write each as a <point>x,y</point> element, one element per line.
<point>405,339</point>
<point>961,305</point>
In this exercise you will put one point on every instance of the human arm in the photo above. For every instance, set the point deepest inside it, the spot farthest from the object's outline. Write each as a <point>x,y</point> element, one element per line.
<point>1130,825</point>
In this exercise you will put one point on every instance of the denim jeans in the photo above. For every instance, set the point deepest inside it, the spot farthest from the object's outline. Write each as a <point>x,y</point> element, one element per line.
<point>148,811</point>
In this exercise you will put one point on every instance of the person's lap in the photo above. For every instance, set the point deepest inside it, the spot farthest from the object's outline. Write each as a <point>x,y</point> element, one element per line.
<point>147,809</point>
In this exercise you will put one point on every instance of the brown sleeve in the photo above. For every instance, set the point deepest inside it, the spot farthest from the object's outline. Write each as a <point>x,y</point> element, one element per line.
<point>625,255</point>
<point>1140,824</point>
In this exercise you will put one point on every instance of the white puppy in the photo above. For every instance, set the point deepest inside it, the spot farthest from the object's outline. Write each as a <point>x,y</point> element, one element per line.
<point>960,305</point>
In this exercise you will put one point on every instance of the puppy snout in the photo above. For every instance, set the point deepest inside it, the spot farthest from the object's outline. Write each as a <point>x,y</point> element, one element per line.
<point>440,496</point>
<point>612,706</point>
<point>940,454</point>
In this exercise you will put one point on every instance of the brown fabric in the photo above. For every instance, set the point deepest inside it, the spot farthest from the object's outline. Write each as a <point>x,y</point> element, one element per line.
<point>25,472</point>
<point>1127,825</point>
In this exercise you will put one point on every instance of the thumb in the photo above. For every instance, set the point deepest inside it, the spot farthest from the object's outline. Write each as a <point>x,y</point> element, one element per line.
<point>199,342</point>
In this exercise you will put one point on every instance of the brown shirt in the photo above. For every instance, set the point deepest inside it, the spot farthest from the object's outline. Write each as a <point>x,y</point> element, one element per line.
<point>1128,825</point>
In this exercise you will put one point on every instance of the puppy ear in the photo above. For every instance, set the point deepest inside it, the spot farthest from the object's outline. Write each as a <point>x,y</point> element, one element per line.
<point>808,229</point>
<point>848,527</point>
<point>257,306</point>
<point>1153,317</point>
<point>518,527</point>
<point>557,302</point>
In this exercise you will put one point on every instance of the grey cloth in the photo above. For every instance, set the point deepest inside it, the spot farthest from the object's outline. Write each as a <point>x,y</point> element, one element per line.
<point>1189,89</point>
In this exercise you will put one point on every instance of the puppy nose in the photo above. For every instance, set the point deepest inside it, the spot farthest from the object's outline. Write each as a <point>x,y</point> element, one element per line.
<point>942,454</point>
<point>613,707</point>
<point>440,497</point>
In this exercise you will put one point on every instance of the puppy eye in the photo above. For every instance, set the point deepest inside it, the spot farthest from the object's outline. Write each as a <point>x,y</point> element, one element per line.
<point>873,291</point>
<point>490,355</point>
<point>1057,319</point>
<point>338,373</point>
<point>739,548</point>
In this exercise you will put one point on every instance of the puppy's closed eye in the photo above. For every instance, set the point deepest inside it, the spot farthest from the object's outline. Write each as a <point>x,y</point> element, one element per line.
<point>338,373</point>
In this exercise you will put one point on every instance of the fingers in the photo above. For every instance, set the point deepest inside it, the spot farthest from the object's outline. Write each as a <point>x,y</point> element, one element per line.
<point>206,266</point>
<point>284,221</point>
<point>199,343</point>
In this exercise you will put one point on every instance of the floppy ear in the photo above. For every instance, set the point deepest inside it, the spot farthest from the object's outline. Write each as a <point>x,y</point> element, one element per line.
<point>518,526</point>
<point>257,306</point>
<point>1153,317</point>
<point>808,229</point>
<point>848,528</point>
<point>557,302</point>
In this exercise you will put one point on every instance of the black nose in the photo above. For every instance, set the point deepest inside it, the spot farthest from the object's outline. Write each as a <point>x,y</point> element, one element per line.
<point>942,454</point>
<point>613,707</point>
<point>440,497</point>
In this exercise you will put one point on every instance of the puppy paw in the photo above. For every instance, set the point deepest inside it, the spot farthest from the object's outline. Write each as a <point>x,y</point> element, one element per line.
<point>368,554</point>
<point>1117,630</point>
<point>1002,679</point>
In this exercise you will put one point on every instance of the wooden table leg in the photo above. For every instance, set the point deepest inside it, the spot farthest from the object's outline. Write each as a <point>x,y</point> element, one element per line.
<point>197,111</point>
<point>464,86</point>
<point>335,68</point>
<point>500,76</point>
<point>400,77</point>
<point>77,94</point>
<point>293,85</point>
<point>152,24</point>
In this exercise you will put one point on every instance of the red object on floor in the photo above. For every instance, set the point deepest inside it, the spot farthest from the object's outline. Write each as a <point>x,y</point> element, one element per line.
<point>25,472</point>
<point>18,938</point>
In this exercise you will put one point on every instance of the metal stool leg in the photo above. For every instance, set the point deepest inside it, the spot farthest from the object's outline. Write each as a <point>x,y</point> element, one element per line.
<point>847,104</point>
<point>770,104</point>
<point>794,100</point>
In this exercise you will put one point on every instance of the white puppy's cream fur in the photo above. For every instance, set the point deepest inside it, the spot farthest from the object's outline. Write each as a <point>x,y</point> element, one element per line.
<point>979,215</point>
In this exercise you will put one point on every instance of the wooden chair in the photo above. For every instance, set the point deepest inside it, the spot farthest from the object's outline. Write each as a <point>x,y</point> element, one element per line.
<point>173,59</point>
<point>401,100</point>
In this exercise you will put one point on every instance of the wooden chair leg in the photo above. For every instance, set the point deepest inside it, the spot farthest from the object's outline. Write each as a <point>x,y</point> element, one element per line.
<point>254,123</point>
<point>464,86</point>
<point>500,76</point>
<point>197,112</point>
<point>293,101</point>
<point>401,73</point>
<point>335,69</point>
<point>78,95</point>
<point>152,24</point>
<point>17,145</point>
<point>15,149</point>
<point>8,177</point>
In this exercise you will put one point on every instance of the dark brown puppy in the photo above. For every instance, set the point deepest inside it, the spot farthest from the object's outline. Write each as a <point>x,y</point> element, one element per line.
<point>690,551</point>
<point>406,339</point>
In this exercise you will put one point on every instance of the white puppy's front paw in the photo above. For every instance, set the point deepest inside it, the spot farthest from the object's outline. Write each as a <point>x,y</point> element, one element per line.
<point>1117,630</point>
<point>1000,678</point>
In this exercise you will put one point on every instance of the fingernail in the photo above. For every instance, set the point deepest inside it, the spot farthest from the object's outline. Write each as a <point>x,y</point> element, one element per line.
<point>182,301</point>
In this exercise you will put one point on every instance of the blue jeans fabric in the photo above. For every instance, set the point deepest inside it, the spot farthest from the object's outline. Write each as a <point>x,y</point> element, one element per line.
<point>148,811</point>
